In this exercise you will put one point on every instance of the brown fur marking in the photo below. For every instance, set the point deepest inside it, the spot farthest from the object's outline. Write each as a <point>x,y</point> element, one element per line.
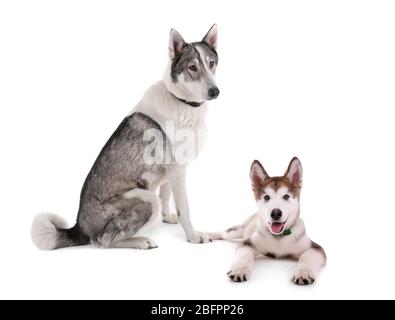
<point>276,183</point>
<point>319,248</point>
<point>248,243</point>
<point>291,257</point>
<point>233,229</point>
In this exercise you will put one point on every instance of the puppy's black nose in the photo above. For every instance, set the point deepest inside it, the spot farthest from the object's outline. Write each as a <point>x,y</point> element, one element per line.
<point>213,92</point>
<point>276,214</point>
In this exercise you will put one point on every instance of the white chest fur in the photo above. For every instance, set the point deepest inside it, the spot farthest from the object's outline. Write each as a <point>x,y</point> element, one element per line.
<point>184,125</point>
<point>281,246</point>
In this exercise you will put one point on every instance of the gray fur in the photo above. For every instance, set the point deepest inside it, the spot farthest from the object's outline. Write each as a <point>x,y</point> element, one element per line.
<point>118,196</point>
<point>235,228</point>
<point>104,214</point>
<point>211,52</point>
<point>190,55</point>
<point>132,215</point>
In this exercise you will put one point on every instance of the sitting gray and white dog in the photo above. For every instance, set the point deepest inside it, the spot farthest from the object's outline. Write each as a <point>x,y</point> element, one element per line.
<point>276,230</point>
<point>150,150</point>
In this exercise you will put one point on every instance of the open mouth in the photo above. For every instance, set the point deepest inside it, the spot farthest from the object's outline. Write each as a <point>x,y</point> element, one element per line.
<point>276,227</point>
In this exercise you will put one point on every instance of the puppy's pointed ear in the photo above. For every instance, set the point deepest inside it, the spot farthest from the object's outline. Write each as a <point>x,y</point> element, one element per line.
<point>211,37</point>
<point>294,172</point>
<point>176,43</point>
<point>258,175</point>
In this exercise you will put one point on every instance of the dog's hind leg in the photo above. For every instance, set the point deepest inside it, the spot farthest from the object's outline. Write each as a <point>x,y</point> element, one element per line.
<point>136,243</point>
<point>164,194</point>
<point>132,210</point>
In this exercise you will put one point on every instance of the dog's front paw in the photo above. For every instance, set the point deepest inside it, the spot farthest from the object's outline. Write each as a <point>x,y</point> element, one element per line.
<point>303,277</point>
<point>170,218</point>
<point>199,237</point>
<point>239,274</point>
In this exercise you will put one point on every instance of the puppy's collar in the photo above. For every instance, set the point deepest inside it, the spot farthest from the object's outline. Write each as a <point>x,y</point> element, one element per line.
<point>189,103</point>
<point>286,232</point>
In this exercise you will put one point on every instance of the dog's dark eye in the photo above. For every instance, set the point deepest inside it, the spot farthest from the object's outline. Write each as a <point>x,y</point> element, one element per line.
<point>266,198</point>
<point>286,197</point>
<point>193,68</point>
<point>212,64</point>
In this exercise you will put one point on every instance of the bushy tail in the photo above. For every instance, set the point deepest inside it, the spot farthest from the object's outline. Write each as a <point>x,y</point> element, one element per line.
<point>50,231</point>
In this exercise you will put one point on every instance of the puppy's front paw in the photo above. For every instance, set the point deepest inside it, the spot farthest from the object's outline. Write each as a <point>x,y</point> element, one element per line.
<point>199,237</point>
<point>303,277</point>
<point>239,274</point>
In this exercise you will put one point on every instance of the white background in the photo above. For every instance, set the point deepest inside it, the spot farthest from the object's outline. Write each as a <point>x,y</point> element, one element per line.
<point>314,79</point>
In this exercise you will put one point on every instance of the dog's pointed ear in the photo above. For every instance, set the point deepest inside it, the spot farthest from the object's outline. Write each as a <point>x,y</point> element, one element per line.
<point>211,37</point>
<point>294,172</point>
<point>258,175</point>
<point>176,43</point>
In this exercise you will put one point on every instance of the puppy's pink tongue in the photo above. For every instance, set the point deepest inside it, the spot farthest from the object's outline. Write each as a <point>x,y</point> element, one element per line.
<point>277,227</point>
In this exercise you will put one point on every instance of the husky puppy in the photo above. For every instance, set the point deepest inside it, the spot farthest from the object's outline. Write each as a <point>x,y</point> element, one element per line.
<point>144,154</point>
<point>276,230</point>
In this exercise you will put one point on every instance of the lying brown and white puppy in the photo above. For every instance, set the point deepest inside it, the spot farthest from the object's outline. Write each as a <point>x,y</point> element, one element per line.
<point>276,230</point>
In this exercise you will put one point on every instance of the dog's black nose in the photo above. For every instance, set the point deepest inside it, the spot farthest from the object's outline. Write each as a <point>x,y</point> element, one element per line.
<point>213,92</point>
<point>276,214</point>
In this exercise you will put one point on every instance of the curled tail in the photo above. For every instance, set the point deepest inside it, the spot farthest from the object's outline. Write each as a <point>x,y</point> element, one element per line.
<point>50,231</point>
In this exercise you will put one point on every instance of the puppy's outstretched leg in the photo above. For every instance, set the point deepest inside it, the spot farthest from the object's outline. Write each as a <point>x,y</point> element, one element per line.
<point>244,261</point>
<point>164,195</point>
<point>236,232</point>
<point>310,262</point>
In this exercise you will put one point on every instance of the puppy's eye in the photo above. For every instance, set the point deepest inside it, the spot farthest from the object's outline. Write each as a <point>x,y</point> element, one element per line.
<point>266,198</point>
<point>193,68</point>
<point>211,64</point>
<point>286,197</point>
